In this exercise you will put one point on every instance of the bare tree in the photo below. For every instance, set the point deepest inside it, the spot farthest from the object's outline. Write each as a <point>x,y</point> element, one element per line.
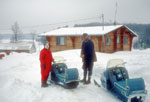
<point>16,30</point>
<point>33,35</point>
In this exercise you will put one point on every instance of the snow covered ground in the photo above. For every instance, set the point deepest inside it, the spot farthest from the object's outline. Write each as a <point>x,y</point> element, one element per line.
<point>20,77</point>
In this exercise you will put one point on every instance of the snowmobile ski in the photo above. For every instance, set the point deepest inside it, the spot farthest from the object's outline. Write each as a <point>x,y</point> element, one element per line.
<point>96,83</point>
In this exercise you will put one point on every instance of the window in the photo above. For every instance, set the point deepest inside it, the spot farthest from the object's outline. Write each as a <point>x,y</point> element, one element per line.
<point>118,39</point>
<point>125,40</point>
<point>108,41</point>
<point>60,40</point>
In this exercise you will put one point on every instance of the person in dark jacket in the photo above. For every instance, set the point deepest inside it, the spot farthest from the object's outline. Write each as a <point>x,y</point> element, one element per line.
<point>45,61</point>
<point>88,57</point>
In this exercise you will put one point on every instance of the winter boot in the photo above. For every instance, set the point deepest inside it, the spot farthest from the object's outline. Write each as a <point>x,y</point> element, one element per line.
<point>44,84</point>
<point>84,78</point>
<point>89,80</point>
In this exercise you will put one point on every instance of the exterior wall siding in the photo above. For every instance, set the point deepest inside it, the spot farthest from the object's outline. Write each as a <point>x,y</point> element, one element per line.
<point>78,42</point>
<point>68,45</point>
<point>109,48</point>
<point>119,44</point>
<point>95,41</point>
<point>126,47</point>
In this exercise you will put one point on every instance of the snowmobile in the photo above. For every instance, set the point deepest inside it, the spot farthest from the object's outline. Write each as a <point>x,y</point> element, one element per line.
<point>61,75</point>
<point>116,79</point>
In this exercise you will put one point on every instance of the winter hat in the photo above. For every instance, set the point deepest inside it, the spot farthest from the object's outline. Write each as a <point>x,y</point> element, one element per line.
<point>45,42</point>
<point>85,34</point>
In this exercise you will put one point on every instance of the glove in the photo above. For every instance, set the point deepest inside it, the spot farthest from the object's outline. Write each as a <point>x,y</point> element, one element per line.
<point>44,66</point>
<point>83,67</point>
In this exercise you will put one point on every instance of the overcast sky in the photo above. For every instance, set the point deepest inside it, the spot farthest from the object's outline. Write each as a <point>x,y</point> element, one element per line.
<point>41,12</point>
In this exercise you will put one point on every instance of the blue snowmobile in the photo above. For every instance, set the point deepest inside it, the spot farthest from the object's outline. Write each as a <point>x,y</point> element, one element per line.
<point>116,79</point>
<point>61,75</point>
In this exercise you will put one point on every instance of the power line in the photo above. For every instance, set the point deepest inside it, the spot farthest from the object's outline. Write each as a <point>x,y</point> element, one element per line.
<point>59,23</point>
<point>3,27</point>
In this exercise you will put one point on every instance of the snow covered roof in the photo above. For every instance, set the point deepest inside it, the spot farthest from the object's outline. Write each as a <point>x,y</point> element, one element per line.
<point>78,31</point>
<point>15,46</point>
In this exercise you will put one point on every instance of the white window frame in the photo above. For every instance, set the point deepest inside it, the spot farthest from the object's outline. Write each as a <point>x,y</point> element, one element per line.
<point>108,41</point>
<point>118,39</point>
<point>60,40</point>
<point>126,40</point>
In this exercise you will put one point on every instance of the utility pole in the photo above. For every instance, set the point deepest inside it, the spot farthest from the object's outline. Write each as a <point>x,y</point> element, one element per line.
<point>102,16</point>
<point>103,21</point>
<point>115,22</point>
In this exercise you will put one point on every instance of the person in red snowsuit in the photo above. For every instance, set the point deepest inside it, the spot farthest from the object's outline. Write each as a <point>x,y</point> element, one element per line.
<point>46,61</point>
